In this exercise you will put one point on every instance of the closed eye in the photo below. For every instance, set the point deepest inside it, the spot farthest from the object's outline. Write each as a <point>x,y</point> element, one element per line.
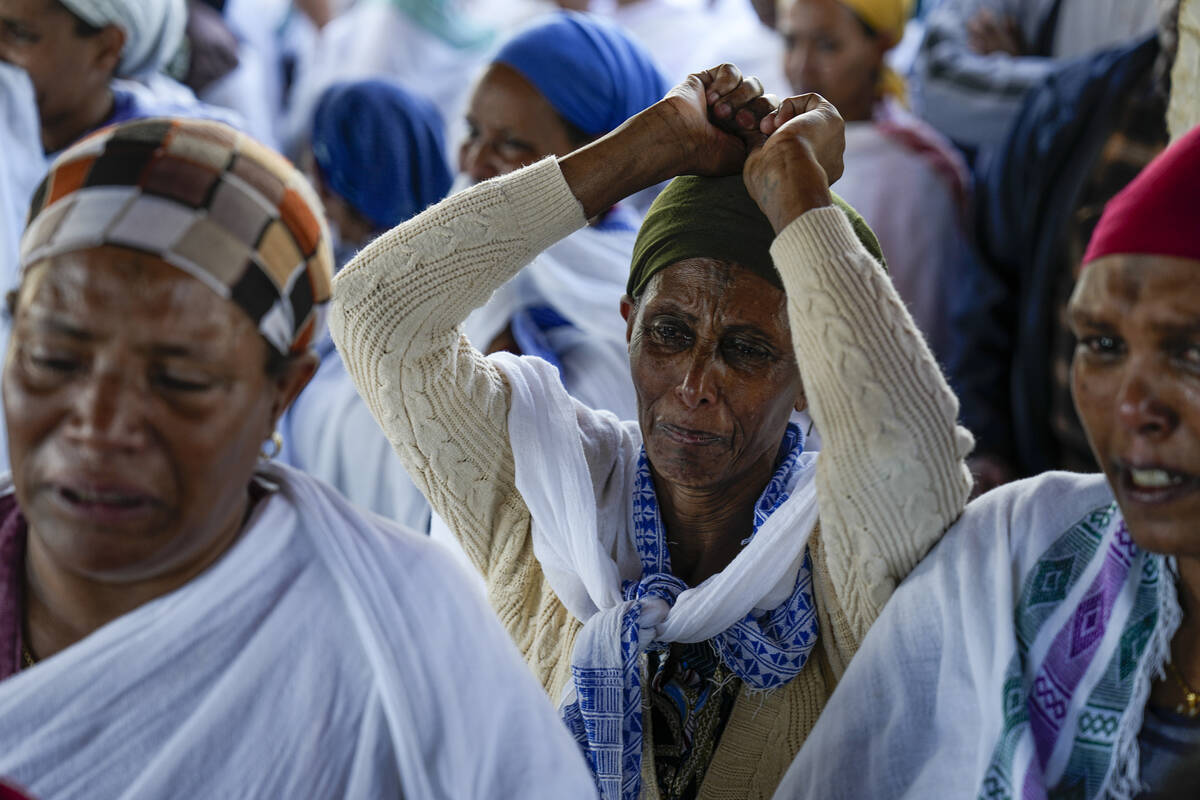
<point>174,383</point>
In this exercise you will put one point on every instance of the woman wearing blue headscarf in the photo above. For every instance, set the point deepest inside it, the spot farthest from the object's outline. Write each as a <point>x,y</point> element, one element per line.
<point>563,81</point>
<point>378,159</point>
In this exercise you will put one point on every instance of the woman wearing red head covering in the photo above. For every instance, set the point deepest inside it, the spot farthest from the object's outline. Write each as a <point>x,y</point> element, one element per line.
<point>1050,645</point>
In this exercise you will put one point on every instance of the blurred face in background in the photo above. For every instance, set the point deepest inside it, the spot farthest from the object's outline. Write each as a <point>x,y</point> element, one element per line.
<point>510,124</point>
<point>69,64</point>
<point>831,52</point>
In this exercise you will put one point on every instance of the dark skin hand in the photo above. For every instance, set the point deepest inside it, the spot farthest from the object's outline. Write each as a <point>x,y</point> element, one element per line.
<point>714,123</point>
<point>987,34</point>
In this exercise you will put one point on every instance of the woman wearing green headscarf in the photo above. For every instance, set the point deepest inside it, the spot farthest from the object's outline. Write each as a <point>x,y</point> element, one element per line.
<point>668,579</point>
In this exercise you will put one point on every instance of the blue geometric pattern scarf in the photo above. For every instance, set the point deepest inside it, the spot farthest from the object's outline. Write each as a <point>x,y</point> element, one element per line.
<point>765,652</point>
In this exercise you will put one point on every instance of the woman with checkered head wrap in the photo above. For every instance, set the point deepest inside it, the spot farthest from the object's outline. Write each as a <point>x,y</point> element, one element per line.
<point>178,615</point>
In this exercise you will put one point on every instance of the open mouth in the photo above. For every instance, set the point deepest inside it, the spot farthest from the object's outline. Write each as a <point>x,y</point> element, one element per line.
<point>1155,484</point>
<point>104,505</point>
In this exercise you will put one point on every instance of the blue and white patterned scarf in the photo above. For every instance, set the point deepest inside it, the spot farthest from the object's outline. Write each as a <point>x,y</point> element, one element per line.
<point>765,651</point>
<point>598,539</point>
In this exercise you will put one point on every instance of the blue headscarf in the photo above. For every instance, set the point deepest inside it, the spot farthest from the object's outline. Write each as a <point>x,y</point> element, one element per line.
<point>593,73</point>
<point>381,149</point>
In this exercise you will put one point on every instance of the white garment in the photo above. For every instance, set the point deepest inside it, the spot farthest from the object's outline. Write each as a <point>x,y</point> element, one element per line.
<point>687,36</point>
<point>582,277</point>
<point>247,91</point>
<point>153,30</point>
<point>329,433</point>
<point>915,216</point>
<point>921,707</point>
<point>580,504</point>
<point>23,164</point>
<point>1089,26</point>
<point>21,168</point>
<point>327,654</point>
<point>374,40</point>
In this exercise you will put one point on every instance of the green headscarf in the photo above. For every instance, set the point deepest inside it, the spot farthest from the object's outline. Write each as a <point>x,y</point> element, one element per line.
<point>716,218</point>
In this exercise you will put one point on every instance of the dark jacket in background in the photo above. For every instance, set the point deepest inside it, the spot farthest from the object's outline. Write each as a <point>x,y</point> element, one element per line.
<point>1027,189</point>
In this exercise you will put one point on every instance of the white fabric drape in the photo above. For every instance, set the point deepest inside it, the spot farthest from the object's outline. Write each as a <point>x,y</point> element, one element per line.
<point>21,167</point>
<point>153,30</point>
<point>581,505</point>
<point>916,217</point>
<point>922,707</point>
<point>583,278</point>
<point>329,433</point>
<point>327,654</point>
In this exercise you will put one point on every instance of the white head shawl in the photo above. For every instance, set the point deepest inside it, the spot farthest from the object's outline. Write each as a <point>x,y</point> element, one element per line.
<point>153,30</point>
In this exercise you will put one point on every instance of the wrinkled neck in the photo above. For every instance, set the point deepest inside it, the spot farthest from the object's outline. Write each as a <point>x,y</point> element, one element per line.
<point>705,528</point>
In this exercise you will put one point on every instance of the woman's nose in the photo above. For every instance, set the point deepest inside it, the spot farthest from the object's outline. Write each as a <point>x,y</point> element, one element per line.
<point>1141,408</point>
<point>107,414</point>
<point>475,161</point>
<point>698,386</point>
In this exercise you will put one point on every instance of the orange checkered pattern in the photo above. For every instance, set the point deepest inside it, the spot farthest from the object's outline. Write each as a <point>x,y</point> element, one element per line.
<point>203,197</point>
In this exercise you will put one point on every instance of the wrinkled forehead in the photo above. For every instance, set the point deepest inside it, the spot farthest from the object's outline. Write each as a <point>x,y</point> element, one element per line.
<point>713,286</point>
<point>113,288</point>
<point>1128,284</point>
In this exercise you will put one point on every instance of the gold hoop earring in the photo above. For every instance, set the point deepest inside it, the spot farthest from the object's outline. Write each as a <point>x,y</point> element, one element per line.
<point>276,442</point>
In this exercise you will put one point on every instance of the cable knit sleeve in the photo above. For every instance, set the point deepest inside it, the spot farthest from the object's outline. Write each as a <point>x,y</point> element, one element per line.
<point>891,475</point>
<point>396,315</point>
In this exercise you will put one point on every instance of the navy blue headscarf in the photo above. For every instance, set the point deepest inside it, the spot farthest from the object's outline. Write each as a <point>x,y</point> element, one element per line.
<point>381,149</point>
<point>593,73</point>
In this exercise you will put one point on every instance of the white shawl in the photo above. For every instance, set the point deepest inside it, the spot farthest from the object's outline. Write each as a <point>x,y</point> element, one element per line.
<point>327,654</point>
<point>576,469</point>
<point>583,278</point>
<point>945,699</point>
<point>580,500</point>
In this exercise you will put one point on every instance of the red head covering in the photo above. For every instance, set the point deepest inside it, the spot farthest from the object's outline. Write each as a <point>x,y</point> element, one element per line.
<point>8,792</point>
<point>1158,213</point>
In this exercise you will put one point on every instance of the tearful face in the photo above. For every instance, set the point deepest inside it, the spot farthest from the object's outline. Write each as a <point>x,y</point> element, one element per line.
<point>136,402</point>
<point>1136,384</point>
<point>715,373</point>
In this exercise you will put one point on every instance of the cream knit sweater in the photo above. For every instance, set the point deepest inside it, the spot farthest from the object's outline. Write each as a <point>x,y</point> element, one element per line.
<point>890,478</point>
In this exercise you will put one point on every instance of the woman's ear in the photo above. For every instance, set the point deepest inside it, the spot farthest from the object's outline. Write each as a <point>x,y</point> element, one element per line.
<point>291,381</point>
<point>628,313</point>
<point>801,399</point>
<point>109,43</point>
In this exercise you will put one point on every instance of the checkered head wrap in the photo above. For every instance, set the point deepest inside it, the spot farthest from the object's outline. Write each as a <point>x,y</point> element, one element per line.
<point>204,198</point>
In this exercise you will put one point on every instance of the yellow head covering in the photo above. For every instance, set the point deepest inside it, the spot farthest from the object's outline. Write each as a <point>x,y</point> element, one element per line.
<point>887,18</point>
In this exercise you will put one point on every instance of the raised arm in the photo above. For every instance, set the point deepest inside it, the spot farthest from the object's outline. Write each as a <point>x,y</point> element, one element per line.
<point>398,306</point>
<point>891,476</point>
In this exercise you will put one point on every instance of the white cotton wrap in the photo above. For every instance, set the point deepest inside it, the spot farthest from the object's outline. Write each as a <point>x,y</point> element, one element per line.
<point>580,502</point>
<point>153,30</point>
<point>328,653</point>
